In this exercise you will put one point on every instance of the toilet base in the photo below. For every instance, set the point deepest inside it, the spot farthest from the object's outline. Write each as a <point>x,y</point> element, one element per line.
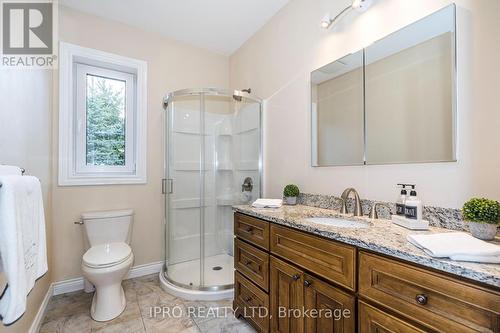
<point>109,299</point>
<point>106,310</point>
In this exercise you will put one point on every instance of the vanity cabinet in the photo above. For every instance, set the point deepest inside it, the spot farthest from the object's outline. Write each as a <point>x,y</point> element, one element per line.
<point>297,276</point>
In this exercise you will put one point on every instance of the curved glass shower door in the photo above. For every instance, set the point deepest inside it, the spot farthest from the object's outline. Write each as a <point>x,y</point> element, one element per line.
<point>213,146</point>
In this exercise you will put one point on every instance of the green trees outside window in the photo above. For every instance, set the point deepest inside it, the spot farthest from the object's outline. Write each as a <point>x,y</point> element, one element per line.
<point>105,121</point>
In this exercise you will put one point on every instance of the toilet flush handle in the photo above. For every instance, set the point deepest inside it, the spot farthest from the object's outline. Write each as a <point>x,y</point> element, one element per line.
<point>78,222</point>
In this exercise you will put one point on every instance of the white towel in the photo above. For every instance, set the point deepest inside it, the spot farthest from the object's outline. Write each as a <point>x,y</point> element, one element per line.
<point>457,246</point>
<point>10,170</point>
<point>23,253</point>
<point>267,203</point>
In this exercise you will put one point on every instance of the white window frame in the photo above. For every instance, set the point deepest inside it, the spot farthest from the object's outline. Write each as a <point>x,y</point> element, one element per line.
<point>75,63</point>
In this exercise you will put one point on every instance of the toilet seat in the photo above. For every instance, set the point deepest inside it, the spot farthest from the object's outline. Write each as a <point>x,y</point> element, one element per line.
<point>107,255</point>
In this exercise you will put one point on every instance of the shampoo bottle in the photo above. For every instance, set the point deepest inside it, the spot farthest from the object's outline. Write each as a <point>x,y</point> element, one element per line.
<point>401,201</point>
<point>413,206</point>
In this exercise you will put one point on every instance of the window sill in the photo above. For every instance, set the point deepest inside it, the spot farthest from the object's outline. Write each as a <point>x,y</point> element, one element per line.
<point>90,181</point>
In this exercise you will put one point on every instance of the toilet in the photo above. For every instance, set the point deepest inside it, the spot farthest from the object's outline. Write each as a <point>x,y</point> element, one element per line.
<point>107,260</point>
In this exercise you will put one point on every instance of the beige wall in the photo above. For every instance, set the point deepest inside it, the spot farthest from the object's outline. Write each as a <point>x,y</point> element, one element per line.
<point>25,140</point>
<point>171,66</point>
<point>276,63</point>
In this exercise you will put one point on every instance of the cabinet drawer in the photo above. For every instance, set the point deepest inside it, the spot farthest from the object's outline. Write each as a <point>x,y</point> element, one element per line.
<point>373,320</point>
<point>251,303</point>
<point>328,259</point>
<point>434,300</point>
<point>252,263</point>
<point>252,230</point>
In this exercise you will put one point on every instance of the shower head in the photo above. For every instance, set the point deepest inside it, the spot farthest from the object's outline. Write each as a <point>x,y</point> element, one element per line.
<point>237,95</point>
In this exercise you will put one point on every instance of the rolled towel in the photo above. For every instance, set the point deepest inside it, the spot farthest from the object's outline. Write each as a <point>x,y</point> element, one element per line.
<point>267,203</point>
<point>456,246</point>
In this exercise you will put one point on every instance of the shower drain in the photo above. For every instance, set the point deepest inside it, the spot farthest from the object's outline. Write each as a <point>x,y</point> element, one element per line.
<point>216,268</point>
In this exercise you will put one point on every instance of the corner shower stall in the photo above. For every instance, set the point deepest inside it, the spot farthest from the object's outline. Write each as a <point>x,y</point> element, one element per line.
<point>213,160</point>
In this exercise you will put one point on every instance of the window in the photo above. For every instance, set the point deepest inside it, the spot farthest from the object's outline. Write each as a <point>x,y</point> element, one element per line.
<point>102,118</point>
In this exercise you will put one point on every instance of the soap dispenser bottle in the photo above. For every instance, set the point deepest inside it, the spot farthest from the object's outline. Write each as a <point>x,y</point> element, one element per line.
<point>413,206</point>
<point>401,201</point>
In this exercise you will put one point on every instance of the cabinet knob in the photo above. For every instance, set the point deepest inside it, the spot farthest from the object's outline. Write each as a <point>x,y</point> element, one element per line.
<point>248,262</point>
<point>421,299</point>
<point>307,283</point>
<point>248,299</point>
<point>296,277</point>
<point>249,229</point>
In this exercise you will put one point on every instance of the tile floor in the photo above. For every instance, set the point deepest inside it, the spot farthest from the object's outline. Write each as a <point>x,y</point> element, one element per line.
<point>70,313</point>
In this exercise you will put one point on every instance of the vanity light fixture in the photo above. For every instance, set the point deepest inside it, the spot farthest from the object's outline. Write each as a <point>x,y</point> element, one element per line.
<point>357,5</point>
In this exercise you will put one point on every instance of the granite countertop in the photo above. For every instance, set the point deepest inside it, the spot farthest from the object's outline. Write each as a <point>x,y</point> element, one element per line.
<point>382,236</point>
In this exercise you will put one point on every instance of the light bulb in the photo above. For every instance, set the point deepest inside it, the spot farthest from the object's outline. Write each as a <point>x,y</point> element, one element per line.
<point>326,21</point>
<point>361,5</point>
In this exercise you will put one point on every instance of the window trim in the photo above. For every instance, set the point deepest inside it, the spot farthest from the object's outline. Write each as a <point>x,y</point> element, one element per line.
<point>72,171</point>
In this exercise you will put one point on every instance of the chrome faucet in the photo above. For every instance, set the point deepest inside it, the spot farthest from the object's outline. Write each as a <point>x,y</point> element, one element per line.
<point>358,211</point>
<point>374,213</point>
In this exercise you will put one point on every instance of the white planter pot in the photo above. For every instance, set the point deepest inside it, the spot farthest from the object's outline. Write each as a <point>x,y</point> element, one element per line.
<point>484,231</point>
<point>291,200</point>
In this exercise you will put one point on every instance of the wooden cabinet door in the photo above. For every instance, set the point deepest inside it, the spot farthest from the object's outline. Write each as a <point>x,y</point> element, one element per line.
<point>286,297</point>
<point>327,309</point>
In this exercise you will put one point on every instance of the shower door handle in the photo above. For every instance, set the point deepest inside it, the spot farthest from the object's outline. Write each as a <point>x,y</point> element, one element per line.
<point>167,186</point>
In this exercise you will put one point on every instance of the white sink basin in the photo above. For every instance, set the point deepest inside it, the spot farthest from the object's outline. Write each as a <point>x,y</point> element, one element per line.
<point>339,223</point>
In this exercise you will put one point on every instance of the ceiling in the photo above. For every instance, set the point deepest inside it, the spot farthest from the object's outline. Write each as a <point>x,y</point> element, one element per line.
<point>218,25</point>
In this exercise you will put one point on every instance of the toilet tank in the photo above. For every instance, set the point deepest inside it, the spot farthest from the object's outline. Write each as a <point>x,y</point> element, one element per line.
<point>108,226</point>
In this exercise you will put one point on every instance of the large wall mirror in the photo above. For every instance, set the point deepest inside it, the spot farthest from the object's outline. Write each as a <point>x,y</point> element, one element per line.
<point>392,102</point>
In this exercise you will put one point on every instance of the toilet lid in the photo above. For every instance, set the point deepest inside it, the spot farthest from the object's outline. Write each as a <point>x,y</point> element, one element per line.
<point>106,255</point>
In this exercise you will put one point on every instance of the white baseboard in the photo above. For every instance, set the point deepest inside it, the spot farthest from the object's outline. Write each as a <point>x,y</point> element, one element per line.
<point>67,286</point>
<point>145,269</point>
<point>37,321</point>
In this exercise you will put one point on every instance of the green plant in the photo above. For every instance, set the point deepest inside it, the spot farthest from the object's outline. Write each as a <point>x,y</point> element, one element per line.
<point>482,210</point>
<point>291,190</point>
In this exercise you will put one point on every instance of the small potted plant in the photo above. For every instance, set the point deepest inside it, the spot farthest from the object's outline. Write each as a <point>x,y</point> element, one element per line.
<point>483,217</point>
<point>291,192</point>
